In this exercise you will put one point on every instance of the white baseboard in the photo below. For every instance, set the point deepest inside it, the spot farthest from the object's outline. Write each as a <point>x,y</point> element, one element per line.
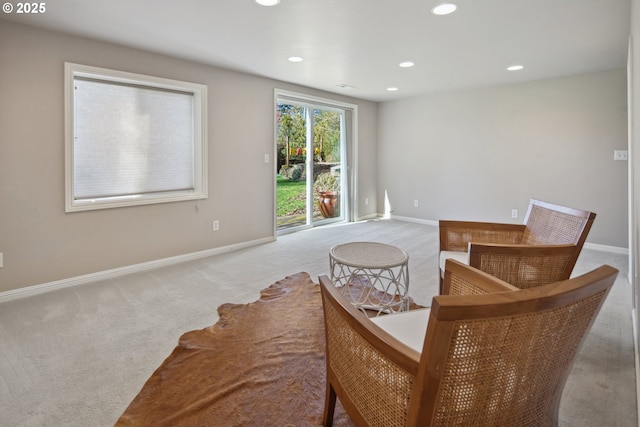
<point>607,248</point>
<point>416,220</point>
<point>634,321</point>
<point>369,217</point>
<point>121,271</point>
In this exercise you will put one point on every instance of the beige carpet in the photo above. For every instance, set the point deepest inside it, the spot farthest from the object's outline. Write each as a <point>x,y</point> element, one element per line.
<point>261,364</point>
<point>77,357</point>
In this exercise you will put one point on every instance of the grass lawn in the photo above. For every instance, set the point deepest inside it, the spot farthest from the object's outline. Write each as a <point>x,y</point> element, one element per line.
<point>291,197</point>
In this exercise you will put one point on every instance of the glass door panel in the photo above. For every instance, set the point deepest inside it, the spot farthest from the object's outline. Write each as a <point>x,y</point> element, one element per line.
<point>310,143</point>
<point>327,149</point>
<point>291,182</point>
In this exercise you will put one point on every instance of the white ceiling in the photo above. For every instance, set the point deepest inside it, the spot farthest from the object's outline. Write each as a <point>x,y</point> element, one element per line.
<point>361,42</point>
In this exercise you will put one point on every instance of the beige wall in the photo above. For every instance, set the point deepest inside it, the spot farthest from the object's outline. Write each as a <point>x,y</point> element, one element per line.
<point>634,151</point>
<point>477,154</point>
<point>42,244</point>
<point>469,154</point>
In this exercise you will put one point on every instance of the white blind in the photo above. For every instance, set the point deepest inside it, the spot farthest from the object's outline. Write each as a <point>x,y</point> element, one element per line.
<point>131,140</point>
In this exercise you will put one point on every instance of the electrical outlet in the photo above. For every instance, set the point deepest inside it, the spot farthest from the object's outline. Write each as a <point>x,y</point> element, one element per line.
<point>514,213</point>
<point>1,260</point>
<point>366,200</point>
<point>620,155</point>
<point>415,203</point>
<point>216,225</point>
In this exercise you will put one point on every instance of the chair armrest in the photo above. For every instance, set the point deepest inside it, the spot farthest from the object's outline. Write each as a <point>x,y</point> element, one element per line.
<point>345,315</point>
<point>364,363</point>
<point>524,266</point>
<point>456,235</point>
<point>460,279</point>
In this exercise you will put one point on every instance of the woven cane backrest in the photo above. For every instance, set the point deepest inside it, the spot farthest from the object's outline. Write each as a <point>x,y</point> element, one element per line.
<point>542,264</point>
<point>457,282</point>
<point>505,357</point>
<point>549,224</point>
<point>489,379</point>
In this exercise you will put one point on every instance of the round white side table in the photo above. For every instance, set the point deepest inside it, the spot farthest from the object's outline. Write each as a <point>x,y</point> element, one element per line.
<point>374,276</point>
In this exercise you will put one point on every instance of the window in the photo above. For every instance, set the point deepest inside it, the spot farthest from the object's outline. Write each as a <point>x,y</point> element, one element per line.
<point>132,139</point>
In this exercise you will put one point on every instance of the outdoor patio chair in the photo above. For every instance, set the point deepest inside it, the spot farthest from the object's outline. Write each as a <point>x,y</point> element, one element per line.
<point>500,357</point>
<point>542,250</point>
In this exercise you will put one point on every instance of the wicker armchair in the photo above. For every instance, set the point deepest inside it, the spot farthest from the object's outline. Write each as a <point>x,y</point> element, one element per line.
<point>542,250</point>
<point>500,359</point>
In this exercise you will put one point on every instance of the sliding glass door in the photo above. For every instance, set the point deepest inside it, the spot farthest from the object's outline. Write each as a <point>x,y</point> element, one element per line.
<point>310,148</point>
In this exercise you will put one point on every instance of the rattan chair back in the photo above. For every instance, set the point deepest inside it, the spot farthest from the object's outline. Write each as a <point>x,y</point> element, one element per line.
<point>543,250</point>
<point>498,358</point>
<point>525,266</point>
<point>550,224</point>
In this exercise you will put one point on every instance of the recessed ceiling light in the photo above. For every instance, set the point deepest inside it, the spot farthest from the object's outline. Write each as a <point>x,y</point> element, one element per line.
<point>295,59</point>
<point>444,9</point>
<point>392,89</point>
<point>406,64</point>
<point>268,2</point>
<point>515,67</point>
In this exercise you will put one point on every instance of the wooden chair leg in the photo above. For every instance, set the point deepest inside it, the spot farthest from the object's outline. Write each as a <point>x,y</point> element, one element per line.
<point>329,406</point>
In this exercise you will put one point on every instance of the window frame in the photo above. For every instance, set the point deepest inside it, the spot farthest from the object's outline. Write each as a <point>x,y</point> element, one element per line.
<point>200,164</point>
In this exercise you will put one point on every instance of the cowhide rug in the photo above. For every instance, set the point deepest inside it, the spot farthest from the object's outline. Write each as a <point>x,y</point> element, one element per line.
<point>261,364</point>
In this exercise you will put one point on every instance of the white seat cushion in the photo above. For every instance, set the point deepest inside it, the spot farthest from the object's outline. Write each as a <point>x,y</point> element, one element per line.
<point>463,257</point>
<point>409,327</point>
